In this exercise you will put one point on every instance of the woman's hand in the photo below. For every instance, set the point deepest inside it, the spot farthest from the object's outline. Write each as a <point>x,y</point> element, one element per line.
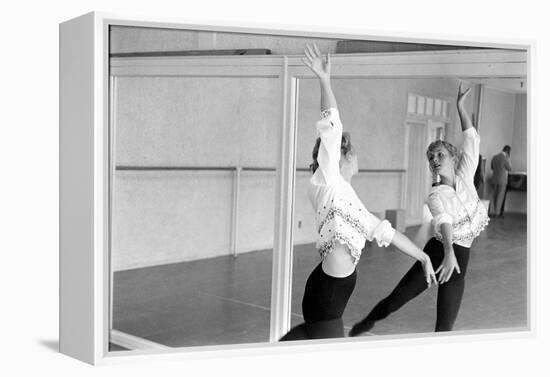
<point>461,97</point>
<point>314,60</point>
<point>447,267</point>
<point>429,271</point>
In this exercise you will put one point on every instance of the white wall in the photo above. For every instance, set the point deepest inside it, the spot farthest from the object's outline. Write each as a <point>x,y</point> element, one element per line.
<point>134,39</point>
<point>197,121</point>
<point>517,201</point>
<point>164,217</point>
<point>168,216</point>
<point>504,122</point>
<point>519,142</point>
<point>497,122</point>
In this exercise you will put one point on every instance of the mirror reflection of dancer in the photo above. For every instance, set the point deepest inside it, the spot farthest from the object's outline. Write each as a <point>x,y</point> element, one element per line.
<point>342,221</point>
<point>458,218</point>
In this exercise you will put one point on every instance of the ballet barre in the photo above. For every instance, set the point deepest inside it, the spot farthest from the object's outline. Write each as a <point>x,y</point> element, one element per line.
<point>237,171</point>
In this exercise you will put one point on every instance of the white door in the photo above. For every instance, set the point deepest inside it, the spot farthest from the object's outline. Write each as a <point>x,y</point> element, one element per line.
<point>416,171</point>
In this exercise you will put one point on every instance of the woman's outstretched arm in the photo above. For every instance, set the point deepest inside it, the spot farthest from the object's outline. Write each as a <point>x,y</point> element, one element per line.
<point>470,146</point>
<point>330,126</point>
<point>321,67</point>
<point>406,246</point>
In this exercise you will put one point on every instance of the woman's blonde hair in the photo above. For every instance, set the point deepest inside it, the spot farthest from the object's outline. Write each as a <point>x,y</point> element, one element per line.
<point>345,148</point>
<point>438,144</point>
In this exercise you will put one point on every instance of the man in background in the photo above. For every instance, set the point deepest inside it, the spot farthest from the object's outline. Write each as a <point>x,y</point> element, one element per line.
<point>500,165</point>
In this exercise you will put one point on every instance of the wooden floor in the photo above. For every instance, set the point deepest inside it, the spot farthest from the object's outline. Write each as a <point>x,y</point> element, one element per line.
<point>226,300</point>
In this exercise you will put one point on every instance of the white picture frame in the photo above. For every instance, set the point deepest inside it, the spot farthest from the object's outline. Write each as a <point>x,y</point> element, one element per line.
<point>85,167</point>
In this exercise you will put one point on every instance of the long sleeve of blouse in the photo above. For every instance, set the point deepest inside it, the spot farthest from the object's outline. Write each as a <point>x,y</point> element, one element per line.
<point>339,213</point>
<point>470,153</point>
<point>330,132</point>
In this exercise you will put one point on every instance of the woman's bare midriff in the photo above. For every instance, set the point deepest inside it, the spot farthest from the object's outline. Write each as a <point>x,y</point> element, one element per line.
<point>339,262</point>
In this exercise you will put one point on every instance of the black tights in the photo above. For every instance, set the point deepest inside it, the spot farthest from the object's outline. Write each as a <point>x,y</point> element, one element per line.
<point>449,294</point>
<point>325,299</point>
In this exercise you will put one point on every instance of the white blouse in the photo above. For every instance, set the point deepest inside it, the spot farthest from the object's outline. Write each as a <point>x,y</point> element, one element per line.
<point>461,206</point>
<point>339,214</point>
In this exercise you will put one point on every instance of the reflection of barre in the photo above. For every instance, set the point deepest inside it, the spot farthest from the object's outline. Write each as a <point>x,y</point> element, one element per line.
<point>237,172</point>
<point>193,168</point>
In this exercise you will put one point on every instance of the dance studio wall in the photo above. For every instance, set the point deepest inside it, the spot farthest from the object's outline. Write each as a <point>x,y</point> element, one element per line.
<point>504,121</point>
<point>496,127</point>
<point>163,217</point>
<point>519,141</point>
<point>134,39</point>
<point>517,201</point>
<point>172,216</point>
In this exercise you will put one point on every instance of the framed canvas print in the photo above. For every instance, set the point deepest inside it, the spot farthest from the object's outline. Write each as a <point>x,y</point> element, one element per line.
<point>227,189</point>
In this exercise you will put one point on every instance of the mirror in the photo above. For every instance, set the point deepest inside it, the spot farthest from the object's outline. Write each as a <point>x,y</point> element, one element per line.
<point>204,127</point>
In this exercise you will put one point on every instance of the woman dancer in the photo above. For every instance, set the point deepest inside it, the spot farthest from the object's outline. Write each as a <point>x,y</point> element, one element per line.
<point>458,218</point>
<point>343,223</point>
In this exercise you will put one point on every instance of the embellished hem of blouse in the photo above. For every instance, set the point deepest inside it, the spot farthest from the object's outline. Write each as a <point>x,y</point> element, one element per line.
<point>467,227</point>
<point>352,231</point>
<point>327,247</point>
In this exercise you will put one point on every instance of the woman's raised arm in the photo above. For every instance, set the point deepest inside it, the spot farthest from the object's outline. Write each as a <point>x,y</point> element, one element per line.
<point>321,67</point>
<point>330,126</point>
<point>465,121</point>
<point>470,146</point>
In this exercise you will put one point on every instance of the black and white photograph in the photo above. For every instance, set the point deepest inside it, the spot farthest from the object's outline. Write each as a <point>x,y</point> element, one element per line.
<point>289,188</point>
<point>278,187</point>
